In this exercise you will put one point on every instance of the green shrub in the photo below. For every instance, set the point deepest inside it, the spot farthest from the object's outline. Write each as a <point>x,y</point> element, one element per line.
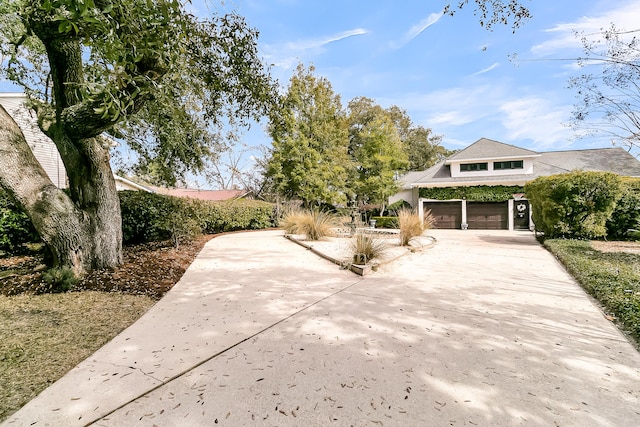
<point>366,247</point>
<point>393,208</point>
<point>626,215</point>
<point>16,228</point>
<point>148,217</point>
<point>151,217</point>
<point>386,221</point>
<point>60,279</point>
<point>576,204</point>
<point>235,215</point>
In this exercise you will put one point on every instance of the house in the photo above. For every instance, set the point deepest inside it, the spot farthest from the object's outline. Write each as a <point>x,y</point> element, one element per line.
<point>47,154</point>
<point>43,148</point>
<point>492,163</point>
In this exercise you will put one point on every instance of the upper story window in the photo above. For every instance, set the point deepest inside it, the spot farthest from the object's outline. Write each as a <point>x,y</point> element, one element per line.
<point>513,164</point>
<point>473,167</point>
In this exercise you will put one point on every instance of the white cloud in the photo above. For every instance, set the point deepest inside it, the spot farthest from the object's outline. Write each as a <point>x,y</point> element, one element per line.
<point>563,37</point>
<point>320,42</point>
<point>486,70</point>
<point>287,55</point>
<point>416,30</point>
<point>537,119</point>
<point>495,111</point>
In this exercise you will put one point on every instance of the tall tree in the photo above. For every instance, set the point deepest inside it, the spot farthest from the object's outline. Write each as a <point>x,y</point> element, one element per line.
<point>421,145</point>
<point>309,160</point>
<point>143,70</point>
<point>377,151</point>
<point>608,99</point>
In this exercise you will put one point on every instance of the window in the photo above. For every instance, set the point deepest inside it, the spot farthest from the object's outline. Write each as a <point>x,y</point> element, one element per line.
<point>472,167</point>
<point>514,164</point>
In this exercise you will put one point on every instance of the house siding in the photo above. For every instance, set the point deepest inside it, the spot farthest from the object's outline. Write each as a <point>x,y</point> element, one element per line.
<point>42,147</point>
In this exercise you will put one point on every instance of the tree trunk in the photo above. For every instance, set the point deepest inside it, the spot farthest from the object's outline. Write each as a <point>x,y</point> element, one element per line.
<point>84,234</point>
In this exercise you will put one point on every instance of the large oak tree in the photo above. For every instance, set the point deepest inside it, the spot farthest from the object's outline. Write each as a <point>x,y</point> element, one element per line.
<point>144,71</point>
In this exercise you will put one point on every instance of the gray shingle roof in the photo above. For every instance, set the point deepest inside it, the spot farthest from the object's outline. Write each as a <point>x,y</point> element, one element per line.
<point>615,160</point>
<point>485,148</point>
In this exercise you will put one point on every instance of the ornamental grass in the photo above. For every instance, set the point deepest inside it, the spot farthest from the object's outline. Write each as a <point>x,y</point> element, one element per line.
<point>313,223</point>
<point>366,247</point>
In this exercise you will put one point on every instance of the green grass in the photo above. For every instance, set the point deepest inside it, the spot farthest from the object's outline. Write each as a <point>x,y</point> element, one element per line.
<point>44,336</point>
<point>613,278</point>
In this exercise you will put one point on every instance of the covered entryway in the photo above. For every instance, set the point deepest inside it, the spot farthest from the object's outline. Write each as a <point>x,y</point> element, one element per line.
<point>521,214</point>
<point>447,215</point>
<point>488,215</point>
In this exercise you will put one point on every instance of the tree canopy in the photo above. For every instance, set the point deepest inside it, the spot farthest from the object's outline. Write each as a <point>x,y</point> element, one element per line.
<point>309,159</point>
<point>377,151</point>
<point>146,72</point>
<point>608,99</point>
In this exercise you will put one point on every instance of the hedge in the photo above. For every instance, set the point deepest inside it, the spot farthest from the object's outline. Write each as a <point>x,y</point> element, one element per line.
<point>574,205</point>
<point>386,221</point>
<point>15,226</point>
<point>236,215</point>
<point>149,216</point>
<point>626,215</point>
<point>482,193</point>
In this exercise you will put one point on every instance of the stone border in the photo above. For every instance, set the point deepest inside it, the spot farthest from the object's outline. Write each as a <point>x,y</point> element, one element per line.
<point>361,269</point>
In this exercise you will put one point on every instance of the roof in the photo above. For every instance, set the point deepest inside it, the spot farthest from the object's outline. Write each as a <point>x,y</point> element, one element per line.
<point>211,195</point>
<point>615,160</point>
<point>485,148</point>
<point>128,184</point>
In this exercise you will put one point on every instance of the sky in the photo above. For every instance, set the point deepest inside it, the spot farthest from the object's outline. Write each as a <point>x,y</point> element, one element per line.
<point>449,73</point>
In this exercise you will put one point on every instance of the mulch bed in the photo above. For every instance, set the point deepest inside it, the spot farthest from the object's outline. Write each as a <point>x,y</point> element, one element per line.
<point>148,269</point>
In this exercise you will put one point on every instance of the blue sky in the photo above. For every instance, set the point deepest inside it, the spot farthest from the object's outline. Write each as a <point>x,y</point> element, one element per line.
<point>448,73</point>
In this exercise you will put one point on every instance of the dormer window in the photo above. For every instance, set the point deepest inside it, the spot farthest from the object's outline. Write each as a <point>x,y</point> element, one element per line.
<point>513,164</point>
<point>473,167</point>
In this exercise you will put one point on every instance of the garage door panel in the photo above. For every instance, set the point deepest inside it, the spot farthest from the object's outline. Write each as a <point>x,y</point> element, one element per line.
<point>447,215</point>
<point>487,216</point>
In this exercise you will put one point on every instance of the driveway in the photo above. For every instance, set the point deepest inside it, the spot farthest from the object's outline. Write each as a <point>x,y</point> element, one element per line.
<point>485,328</point>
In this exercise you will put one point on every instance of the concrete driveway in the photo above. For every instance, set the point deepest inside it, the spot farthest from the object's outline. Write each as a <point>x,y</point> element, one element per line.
<point>483,329</point>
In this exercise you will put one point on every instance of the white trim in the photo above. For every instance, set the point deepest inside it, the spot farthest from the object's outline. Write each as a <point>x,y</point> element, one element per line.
<point>132,184</point>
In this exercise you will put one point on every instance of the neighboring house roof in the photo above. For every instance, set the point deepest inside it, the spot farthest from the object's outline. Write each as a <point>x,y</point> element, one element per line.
<point>211,195</point>
<point>485,148</point>
<point>615,160</point>
<point>42,147</point>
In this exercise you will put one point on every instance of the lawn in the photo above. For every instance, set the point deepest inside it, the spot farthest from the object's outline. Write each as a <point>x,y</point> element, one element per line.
<point>611,277</point>
<point>44,335</point>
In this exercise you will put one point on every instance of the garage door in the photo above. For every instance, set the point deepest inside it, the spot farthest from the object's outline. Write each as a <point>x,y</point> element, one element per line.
<point>446,214</point>
<point>488,216</point>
